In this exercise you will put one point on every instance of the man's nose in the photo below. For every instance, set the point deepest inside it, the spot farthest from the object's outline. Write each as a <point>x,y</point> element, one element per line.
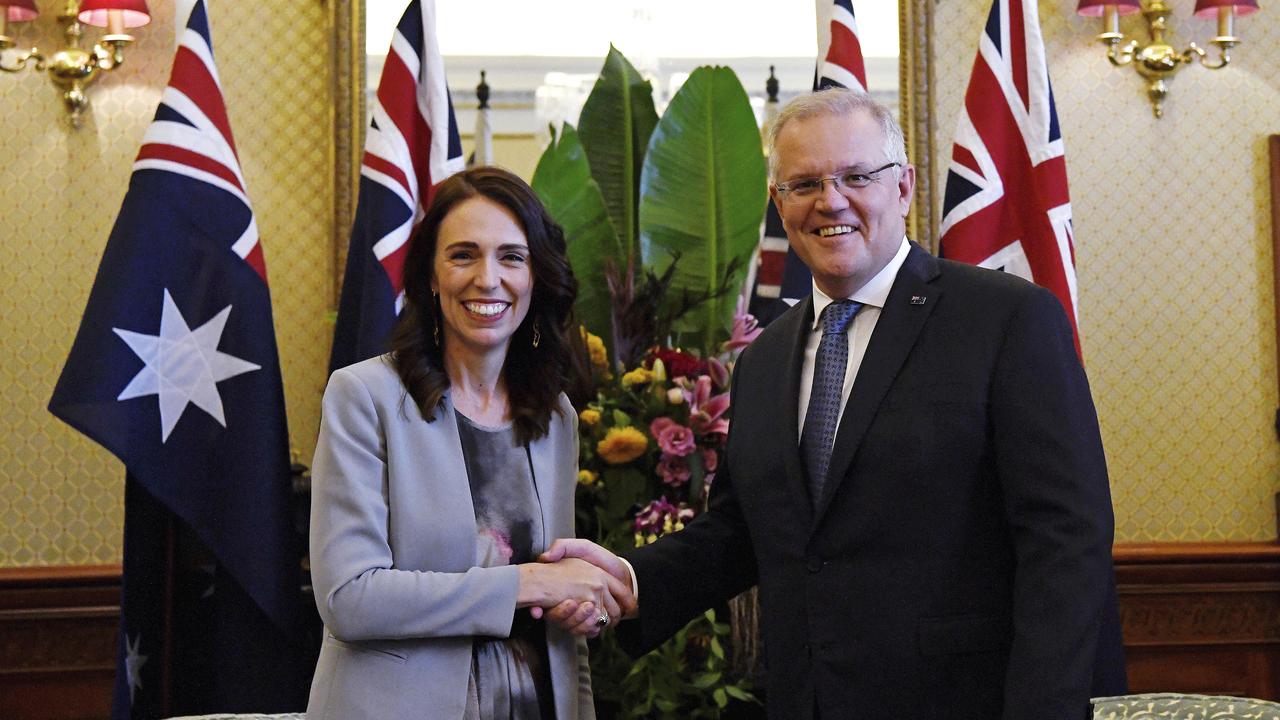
<point>829,196</point>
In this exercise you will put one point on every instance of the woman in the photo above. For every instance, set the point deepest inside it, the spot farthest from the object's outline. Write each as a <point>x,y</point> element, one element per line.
<point>443,469</point>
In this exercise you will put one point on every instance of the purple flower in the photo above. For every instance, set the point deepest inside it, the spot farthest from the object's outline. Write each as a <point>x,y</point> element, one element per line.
<point>660,517</point>
<point>674,470</point>
<point>675,439</point>
<point>745,328</point>
<point>710,460</point>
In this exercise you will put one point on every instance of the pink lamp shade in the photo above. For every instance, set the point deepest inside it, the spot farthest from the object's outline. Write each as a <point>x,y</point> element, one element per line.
<point>1096,8</point>
<point>20,10</point>
<point>134,12</point>
<point>1209,8</point>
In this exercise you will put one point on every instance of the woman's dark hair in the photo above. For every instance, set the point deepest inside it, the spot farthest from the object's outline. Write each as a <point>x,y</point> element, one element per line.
<point>534,377</point>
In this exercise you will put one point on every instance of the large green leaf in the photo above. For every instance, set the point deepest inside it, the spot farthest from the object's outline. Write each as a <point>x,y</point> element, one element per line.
<point>617,120</point>
<point>703,196</point>
<point>563,181</point>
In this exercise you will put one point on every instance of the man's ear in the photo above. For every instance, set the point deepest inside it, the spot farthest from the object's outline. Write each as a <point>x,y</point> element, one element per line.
<point>906,187</point>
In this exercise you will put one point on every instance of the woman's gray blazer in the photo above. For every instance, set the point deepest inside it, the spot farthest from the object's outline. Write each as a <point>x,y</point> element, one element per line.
<point>394,553</point>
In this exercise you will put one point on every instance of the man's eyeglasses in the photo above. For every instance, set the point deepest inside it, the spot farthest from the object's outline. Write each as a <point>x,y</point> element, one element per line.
<point>851,179</point>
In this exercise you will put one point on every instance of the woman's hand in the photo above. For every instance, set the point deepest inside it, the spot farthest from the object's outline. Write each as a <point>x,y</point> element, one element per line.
<point>572,581</point>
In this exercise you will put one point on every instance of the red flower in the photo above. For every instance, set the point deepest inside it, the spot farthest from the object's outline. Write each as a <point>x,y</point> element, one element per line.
<point>678,364</point>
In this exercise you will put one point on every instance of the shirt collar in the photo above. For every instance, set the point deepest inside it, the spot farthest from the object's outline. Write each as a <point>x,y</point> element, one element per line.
<point>873,293</point>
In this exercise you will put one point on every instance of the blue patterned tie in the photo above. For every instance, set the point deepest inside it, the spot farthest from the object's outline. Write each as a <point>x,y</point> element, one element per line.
<point>824,401</point>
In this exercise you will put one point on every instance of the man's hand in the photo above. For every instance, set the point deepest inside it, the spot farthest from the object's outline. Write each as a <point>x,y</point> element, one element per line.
<point>576,617</point>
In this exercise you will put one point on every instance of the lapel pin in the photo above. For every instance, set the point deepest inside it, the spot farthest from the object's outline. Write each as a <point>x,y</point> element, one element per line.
<point>918,299</point>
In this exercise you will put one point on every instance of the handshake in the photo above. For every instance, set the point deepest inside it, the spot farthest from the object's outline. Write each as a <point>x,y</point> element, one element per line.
<point>577,585</point>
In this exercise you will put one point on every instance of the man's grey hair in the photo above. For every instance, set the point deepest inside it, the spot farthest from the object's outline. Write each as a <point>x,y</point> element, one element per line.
<point>837,101</point>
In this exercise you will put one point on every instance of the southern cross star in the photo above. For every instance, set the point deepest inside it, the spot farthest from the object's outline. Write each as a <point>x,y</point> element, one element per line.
<point>133,663</point>
<point>182,365</point>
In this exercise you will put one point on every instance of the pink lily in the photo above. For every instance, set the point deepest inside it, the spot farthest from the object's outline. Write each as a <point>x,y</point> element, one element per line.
<point>745,328</point>
<point>706,410</point>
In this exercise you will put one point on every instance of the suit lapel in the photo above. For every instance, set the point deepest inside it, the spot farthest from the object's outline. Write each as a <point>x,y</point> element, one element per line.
<point>908,306</point>
<point>543,458</point>
<point>795,333</point>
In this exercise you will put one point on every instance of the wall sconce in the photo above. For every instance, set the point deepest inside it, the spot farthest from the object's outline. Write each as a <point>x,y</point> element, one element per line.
<point>74,68</point>
<point>1157,61</point>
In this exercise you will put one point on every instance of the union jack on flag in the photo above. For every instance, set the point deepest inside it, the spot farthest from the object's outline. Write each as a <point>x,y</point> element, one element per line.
<point>174,369</point>
<point>843,65</point>
<point>780,277</point>
<point>412,146</point>
<point>1006,204</point>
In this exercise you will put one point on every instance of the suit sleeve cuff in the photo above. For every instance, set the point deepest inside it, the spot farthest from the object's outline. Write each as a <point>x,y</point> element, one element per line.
<point>635,584</point>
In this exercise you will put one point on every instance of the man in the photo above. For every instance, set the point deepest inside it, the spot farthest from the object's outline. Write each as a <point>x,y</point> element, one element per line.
<point>947,554</point>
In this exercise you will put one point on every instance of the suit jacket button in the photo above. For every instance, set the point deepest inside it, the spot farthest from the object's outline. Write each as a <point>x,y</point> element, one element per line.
<point>813,563</point>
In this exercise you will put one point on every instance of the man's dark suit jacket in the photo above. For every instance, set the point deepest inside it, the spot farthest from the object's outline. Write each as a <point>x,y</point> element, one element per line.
<point>958,564</point>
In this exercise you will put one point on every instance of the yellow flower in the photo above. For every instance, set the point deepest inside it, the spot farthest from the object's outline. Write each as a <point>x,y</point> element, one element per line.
<point>675,396</point>
<point>589,417</point>
<point>587,478</point>
<point>659,370</point>
<point>595,349</point>
<point>622,445</point>
<point>639,376</point>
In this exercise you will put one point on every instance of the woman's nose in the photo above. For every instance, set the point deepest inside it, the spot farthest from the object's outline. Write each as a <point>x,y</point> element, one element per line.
<point>486,274</point>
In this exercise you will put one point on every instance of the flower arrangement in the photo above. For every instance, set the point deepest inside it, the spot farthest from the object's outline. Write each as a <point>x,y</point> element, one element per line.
<point>661,216</point>
<point>650,444</point>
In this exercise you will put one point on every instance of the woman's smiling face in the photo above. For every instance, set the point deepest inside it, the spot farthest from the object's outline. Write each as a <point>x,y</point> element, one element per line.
<point>482,275</point>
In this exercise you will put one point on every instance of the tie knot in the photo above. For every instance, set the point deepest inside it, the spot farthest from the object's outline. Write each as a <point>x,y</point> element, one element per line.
<point>837,316</point>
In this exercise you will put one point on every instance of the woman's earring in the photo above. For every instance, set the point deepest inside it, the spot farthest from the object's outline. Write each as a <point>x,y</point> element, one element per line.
<point>435,318</point>
<point>537,333</point>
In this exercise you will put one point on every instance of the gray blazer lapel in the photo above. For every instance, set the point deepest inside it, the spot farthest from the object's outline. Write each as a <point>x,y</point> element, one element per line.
<point>896,331</point>
<point>447,487</point>
<point>545,480</point>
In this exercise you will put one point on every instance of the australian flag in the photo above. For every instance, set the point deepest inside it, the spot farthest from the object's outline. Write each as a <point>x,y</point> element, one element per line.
<point>412,145</point>
<point>781,278</point>
<point>1006,204</point>
<point>174,369</point>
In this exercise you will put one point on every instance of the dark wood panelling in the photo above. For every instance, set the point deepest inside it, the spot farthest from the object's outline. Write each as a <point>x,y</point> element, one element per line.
<point>1197,617</point>
<point>1201,617</point>
<point>58,641</point>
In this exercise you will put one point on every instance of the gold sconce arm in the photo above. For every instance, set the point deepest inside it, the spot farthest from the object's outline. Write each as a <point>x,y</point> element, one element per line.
<point>1119,56</point>
<point>19,61</point>
<point>73,67</point>
<point>1157,61</point>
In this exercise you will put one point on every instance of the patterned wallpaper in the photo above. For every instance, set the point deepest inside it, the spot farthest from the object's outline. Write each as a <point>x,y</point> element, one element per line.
<point>1173,249</point>
<point>61,496</point>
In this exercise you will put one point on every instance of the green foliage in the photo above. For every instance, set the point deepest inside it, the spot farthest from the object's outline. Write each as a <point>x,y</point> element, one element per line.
<point>563,181</point>
<point>661,218</point>
<point>684,198</point>
<point>687,677</point>
<point>625,499</point>
<point>617,120</point>
<point>703,197</point>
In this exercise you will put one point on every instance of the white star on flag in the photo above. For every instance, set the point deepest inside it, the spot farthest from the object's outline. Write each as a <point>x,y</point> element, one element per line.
<point>133,663</point>
<point>183,366</point>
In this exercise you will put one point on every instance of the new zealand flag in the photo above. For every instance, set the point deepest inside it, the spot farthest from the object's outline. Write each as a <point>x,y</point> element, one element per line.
<point>174,370</point>
<point>781,277</point>
<point>412,145</point>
